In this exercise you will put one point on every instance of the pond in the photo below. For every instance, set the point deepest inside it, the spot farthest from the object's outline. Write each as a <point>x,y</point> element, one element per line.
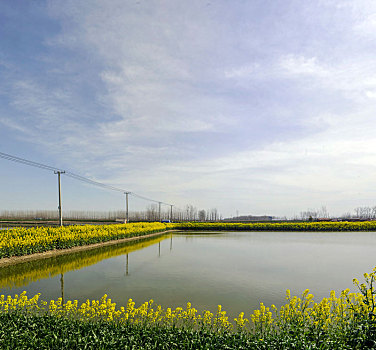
<point>235,269</point>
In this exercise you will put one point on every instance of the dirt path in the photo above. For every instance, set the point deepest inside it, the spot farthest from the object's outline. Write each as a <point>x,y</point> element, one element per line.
<point>20,259</point>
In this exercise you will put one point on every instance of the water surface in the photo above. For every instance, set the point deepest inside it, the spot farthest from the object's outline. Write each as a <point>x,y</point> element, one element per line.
<point>235,269</point>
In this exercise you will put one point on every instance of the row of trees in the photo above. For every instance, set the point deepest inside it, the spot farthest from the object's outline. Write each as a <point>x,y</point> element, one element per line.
<point>188,213</point>
<point>315,214</point>
<point>363,213</point>
<point>151,213</point>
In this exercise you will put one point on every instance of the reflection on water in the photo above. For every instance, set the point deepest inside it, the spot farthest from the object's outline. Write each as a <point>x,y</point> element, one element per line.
<point>126,265</point>
<point>62,287</point>
<point>24,273</point>
<point>235,269</point>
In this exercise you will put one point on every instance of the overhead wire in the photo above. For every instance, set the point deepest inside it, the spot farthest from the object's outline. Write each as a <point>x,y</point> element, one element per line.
<point>74,176</point>
<point>147,199</point>
<point>92,182</point>
<point>28,162</point>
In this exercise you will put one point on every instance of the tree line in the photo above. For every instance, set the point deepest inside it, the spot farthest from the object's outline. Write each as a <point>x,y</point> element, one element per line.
<point>151,213</point>
<point>362,212</point>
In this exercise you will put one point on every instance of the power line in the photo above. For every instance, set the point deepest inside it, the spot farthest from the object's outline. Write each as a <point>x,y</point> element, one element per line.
<point>146,198</point>
<point>74,176</point>
<point>92,182</point>
<point>28,162</point>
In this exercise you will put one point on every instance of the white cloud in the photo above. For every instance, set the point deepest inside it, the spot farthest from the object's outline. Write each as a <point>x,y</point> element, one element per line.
<point>371,94</point>
<point>300,65</point>
<point>247,71</point>
<point>336,164</point>
<point>14,125</point>
<point>366,24</point>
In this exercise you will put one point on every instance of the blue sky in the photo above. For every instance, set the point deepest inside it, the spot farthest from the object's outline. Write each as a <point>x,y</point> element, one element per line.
<point>260,107</point>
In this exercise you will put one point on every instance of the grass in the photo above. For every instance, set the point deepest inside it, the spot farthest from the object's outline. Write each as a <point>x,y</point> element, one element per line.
<point>23,331</point>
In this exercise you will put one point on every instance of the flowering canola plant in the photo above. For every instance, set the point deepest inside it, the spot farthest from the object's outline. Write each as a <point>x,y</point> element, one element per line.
<point>280,226</point>
<point>333,315</point>
<point>23,241</point>
<point>105,309</point>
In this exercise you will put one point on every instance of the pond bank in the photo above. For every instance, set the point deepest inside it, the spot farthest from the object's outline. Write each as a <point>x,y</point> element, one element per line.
<point>50,253</point>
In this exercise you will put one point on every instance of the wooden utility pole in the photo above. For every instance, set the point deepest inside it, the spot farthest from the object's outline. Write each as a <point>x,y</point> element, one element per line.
<point>159,211</point>
<point>171,212</point>
<point>59,189</point>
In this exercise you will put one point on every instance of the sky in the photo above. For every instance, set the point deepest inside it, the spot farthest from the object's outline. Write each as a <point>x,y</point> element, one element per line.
<point>251,107</point>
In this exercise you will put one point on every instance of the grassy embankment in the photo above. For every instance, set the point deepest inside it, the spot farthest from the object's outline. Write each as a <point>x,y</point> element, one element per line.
<point>344,322</point>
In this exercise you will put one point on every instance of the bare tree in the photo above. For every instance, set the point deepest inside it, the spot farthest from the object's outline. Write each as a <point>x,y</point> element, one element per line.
<point>310,213</point>
<point>373,212</point>
<point>346,216</point>
<point>152,213</point>
<point>202,215</point>
<point>323,213</point>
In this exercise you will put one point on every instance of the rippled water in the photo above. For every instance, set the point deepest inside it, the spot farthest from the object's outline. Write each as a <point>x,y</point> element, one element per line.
<point>235,269</point>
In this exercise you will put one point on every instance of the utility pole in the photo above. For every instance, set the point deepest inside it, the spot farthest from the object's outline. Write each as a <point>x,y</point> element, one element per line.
<point>159,211</point>
<point>126,207</point>
<point>171,212</point>
<point>59,188</point>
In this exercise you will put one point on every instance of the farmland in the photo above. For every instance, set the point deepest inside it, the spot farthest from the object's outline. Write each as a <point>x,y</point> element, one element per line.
<point>21,241</point>
<point>338,321</point>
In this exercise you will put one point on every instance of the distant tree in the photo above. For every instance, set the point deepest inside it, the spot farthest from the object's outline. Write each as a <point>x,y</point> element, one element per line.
<point>357,212</point>
<point>213,214</point>
<point>305,215</point>
<point>323,213</point>
<point>152,213</point>
<point>365,212</point>
<point>202,215</point>
<point>373,212</point>
<point>346,215</point>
